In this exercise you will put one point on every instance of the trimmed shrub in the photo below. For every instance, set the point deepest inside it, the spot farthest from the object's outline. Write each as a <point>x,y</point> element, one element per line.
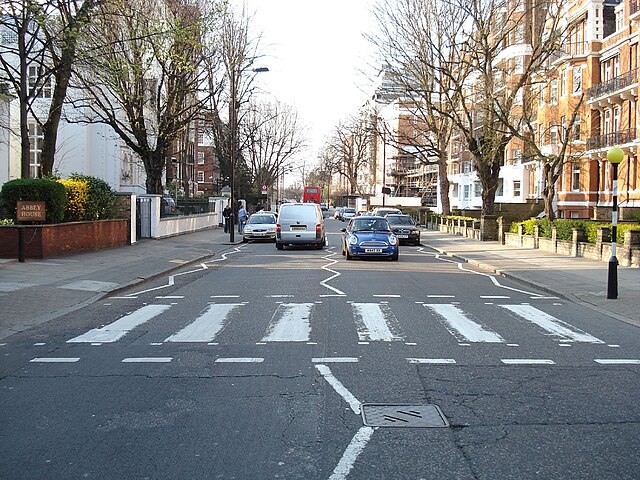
<point>102,200</point>
<point>34,189</point>
<point>77,197</point>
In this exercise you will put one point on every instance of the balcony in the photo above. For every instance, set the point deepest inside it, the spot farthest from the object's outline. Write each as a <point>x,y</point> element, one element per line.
<point>567,51</point>
<point>622,87</point>
<point>619,138</point>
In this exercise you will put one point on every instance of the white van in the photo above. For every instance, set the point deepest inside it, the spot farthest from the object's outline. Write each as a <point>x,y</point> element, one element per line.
<point>300,224</point>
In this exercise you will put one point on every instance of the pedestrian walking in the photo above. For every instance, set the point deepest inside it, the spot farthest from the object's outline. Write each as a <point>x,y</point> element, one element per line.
<point>226,214</point>
<point>242,218</point>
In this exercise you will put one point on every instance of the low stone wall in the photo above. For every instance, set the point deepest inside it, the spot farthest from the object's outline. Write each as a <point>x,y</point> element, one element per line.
<point>43,241</point>
<point>628,254</point>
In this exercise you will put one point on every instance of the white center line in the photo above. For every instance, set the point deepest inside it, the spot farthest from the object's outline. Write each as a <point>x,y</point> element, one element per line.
<point>350,455</point>
<point>340,388</point>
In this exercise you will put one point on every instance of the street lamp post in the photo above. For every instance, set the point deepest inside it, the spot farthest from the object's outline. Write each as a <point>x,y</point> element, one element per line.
<point>614,156</point>
<point>233,124</point>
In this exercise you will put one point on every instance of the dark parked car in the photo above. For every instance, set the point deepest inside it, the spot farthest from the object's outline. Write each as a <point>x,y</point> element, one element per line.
<point>405,228</point>
<point>369,237</point>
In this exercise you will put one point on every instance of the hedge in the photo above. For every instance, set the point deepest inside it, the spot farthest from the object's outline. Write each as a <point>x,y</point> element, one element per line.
<point>34,189</point>
<point>564,228</point>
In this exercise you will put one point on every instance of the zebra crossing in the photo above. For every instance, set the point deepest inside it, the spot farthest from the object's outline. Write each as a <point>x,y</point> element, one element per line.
<point>369,322</point>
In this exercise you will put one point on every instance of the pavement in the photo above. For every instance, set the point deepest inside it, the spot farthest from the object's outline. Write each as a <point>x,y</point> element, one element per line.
<point>38,291</point>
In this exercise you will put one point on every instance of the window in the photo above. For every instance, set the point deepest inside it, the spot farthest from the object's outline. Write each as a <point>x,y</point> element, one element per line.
<point>200,176</point>
<point>553,92</point>
<point>466,192</point>
<point>575,133</point>
<point>575,177</point>
<point>577,80</point>
<point>517,156</point>
<point>553,135</point>
<point>200,132</point>
<point>39,87</point>
<point>518,65</point>
<point>466,167</point>
<point>477,189</point>
<point>517,192</point>
<point>519,33</point>
<point>500,189</point>
<point>36,137</point>
<point>200,158</point>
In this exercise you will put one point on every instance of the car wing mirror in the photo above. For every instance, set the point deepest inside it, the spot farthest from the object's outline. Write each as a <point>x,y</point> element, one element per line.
<point>343,229</point>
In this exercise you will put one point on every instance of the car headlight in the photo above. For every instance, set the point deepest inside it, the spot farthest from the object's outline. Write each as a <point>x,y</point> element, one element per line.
<point>353,240</point>
<point>248,229</point>
<point>392,240</point>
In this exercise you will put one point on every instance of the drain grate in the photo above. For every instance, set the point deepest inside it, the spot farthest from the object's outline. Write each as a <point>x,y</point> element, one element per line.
<point>403,415</point>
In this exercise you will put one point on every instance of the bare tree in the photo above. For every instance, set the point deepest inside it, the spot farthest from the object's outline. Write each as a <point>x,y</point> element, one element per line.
<point>273,136</point>
<point>347,150</point>
<point>36,61</point>
<point>144,77</point>
<point>410,45</point>
<point>466,73</point>
<point>230,62</point>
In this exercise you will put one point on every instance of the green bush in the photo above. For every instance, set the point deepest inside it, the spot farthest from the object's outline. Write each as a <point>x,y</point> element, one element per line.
<point>102,200</point>
<point>34,189</point>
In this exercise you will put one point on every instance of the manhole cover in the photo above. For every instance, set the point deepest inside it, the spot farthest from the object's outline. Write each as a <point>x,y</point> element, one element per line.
<point>403,415</point>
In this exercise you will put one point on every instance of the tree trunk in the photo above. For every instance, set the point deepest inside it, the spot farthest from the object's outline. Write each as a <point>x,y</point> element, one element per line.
<point>51,126</point>
<point>549,191</point>
<point>154,166</point>
<point>443,182</point>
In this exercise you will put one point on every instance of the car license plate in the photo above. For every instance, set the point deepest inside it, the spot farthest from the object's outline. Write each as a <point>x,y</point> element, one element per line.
<point>402,236</point>
<point>298,227</point>
<point>372,250</point>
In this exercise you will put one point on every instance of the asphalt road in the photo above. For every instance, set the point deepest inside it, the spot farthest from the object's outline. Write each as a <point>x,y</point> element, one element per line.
<point>258,365</point>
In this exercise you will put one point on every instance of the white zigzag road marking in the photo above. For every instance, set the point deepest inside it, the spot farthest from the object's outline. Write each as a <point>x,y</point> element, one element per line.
<point>335,274</point>
<point>488,275</point>
<point>171,279</point>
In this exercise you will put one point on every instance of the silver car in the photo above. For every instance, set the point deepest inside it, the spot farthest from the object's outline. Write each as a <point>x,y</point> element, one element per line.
<point>300,224</point>
<point>260,226</point>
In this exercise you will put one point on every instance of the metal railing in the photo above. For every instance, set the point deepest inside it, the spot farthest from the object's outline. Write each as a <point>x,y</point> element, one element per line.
<point>610,86</point>
<point>612,139</point>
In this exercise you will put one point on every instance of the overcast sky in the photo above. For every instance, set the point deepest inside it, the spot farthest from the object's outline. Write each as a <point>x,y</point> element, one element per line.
<point>317,56</point>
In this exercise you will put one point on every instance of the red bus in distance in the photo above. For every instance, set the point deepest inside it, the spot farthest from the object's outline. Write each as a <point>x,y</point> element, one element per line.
<point>311,194</point>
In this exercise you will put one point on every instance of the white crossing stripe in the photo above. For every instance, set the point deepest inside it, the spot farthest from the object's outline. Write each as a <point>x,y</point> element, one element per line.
<point>375,322</point>
<point>207,326</point>
<point>462,327</point>
<point>557,328</point>
<point>290,323</point>
<point>118,329</point>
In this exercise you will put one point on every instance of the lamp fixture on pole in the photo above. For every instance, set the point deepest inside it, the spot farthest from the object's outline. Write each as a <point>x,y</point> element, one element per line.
<point>614,156</point>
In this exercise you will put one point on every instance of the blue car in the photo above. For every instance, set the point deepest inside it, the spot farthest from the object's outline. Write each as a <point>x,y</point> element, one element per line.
<point>369,237</point>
